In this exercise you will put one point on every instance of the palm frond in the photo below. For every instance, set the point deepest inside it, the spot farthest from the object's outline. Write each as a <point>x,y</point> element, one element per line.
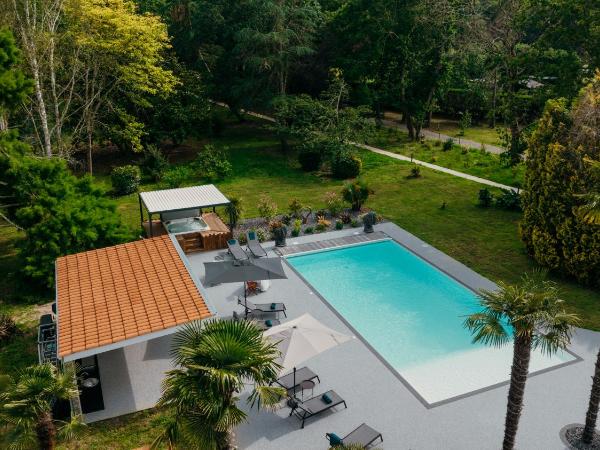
<point>267,397</point>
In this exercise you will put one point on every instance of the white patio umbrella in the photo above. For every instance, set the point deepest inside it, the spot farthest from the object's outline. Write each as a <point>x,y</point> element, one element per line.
<point>302,338</point>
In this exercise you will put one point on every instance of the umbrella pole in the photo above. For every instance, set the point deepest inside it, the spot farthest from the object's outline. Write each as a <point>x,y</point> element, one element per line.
<point>245,300</point>
<point>294,383</point>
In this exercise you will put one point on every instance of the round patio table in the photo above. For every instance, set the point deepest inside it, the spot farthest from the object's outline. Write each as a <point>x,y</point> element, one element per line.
<point>306,385</point>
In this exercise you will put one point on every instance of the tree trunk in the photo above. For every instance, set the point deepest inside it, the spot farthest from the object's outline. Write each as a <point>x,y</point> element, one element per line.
<point>516,392</point>
<point>45,431</point>
<point>90,144</point>
<point>592,412</point>
<point>494,96</point>
<point>410,125</point>
<point>41,107</point>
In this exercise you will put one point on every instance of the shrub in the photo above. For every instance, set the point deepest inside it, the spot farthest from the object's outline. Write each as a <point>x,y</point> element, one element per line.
<point>510,200</point>
<point>485,198</point>
<point>339,225</point>
<point>448,144</point>
<point>346,218</point>
<point>154,163</point>
<point>125,179</point>
<point>433,158</point>
<point>415,171</point>
<point>321,214</point>
<point>437,143</point>
<point>345,164</point>
<point>310,157</point>
<point>267,208</point>
<point>308,230</point>
<point>286,219</point>
<point>464,150</point>
<point>295,207</point>
<point>334,203</point>
<point>212,163</point>
<point>8,328</point>
<point>60,213</point>
<point>234,211</point>
<point>295,232</point>
<point>320,227</point>
<point>324,222</point>
<point>261,234</point>
<point>355,223</point>
<point>176,176</point>
<point>242,238</point>
<point>356,193</point>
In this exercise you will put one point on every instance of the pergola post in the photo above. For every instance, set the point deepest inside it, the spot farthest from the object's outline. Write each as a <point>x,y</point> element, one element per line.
<point>141,212</point>
<point>150,222</point>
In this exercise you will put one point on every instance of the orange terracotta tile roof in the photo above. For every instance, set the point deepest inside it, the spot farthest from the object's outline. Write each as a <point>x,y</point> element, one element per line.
<point>111,294</point>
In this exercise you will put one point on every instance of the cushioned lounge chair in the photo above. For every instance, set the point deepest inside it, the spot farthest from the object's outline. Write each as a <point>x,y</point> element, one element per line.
<point>254,246</point>
<point>262,307</point>
<point>302,374</point>
<point>264,324</point>
<point>236,250</point>
<point>362,436</point>
<point>314,406</point>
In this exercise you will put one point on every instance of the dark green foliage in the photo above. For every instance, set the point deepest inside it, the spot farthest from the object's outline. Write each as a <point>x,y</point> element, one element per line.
<point>510,200</point>
<point>345,164</point>
<point>339,225</point>
<point>308,230</point>
<point>60,214</point>
<point>448,144</point>
<point>154,163</point>
<point>415,171</point>
<point>8,328</point>
<point>485,198</point>
<point>234,211</point>
<point>125,179</point>
<point>555,236</point>
<point>212,163</point>
<point>14,87</point>
<point>310,156</point>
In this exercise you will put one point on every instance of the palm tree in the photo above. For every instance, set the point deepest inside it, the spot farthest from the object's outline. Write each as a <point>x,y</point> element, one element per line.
<point>590,210</point>
<point>215,360</point>
<point>26,406</point>
<point>530,313</point>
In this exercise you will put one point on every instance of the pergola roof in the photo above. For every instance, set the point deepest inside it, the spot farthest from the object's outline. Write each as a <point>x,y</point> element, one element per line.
<point>117,296</point>
<point>183,198</point>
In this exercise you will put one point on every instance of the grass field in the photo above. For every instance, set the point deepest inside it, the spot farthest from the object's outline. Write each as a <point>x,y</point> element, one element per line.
<point>474,162</point>
<point>477,133</point>
<point>483,239</point>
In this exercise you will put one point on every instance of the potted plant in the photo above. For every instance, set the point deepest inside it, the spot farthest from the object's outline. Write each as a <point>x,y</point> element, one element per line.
<point>279,231</point>
<point>369,219</point>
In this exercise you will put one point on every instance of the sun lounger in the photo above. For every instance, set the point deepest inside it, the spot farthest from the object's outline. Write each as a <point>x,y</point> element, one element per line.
<point>303,374</point>
<point>253,244</point>
<point>363,436</point>
<point>263,324</point>
<point>314,406</point>
<point>236,250</point>
<point>263,308</point>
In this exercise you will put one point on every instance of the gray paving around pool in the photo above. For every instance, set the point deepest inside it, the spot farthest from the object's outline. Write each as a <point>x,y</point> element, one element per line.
<point>374,393</point>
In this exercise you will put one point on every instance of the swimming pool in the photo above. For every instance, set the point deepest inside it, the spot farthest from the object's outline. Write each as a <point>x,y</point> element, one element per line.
<point>412,315</point>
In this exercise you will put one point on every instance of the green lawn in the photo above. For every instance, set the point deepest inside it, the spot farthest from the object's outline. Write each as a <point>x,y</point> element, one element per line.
<point>474,162</point>
<point>477,133</point>
<point>484,239</point>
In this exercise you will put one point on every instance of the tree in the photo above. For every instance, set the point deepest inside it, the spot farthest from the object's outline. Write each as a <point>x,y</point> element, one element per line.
<point>557,184</point>
<point>59,213</point>
<point>216,359</point>
<point>533,316</point>
<point>26,406</point>
<point>112,34</point>
<point>14,86</point>
<point>278,33</point>
<point>356,193</point>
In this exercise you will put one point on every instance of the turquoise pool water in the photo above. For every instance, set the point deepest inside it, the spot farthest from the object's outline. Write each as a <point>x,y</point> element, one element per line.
<point>408,310</point>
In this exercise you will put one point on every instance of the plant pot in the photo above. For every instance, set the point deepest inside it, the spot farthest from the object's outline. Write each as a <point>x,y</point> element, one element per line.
<point>369,220</point>
<point>279,235</point>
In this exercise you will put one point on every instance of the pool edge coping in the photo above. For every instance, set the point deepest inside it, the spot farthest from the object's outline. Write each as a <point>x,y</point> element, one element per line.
<point>397,374</point>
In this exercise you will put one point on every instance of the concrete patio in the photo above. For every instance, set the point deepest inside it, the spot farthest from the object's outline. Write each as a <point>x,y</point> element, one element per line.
<point>375,394</point>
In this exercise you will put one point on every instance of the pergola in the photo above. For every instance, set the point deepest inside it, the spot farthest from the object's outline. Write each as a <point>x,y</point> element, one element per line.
<point>180,199</point>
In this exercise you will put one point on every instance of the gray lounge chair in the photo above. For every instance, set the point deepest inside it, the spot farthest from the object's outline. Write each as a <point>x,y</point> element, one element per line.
<point>254,246</point>
<point>302,374</point>
<point>263,324</point>
<point>262,308</point>
<point>236,250</point>
<point>362,436</point>
<point>314,406</point>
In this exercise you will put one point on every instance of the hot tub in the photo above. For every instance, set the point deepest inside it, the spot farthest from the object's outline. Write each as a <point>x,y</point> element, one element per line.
<point>186,225</point>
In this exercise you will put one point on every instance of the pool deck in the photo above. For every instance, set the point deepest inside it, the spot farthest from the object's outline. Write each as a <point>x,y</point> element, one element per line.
<point>375,395</point>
